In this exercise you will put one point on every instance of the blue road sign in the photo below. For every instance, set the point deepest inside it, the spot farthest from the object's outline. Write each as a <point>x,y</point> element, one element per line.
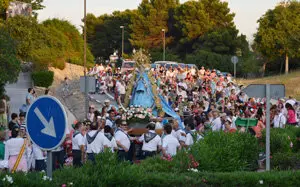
<point>46,122</point>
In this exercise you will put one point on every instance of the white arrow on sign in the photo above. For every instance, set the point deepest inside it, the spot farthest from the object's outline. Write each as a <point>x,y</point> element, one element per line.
<point>49,126</point>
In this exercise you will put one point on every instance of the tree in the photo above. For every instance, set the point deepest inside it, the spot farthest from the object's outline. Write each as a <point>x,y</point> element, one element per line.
<point>149,20</point>
<point>105,35</point>
<point>9,64</point>
<point>51,43</point>
<point>194,19</point>
<point>278,32</point>
<point>36,5</point>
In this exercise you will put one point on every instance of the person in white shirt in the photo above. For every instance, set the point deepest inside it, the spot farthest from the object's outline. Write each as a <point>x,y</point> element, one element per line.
<point>13,147</point>
<point>151,142</point>
<point>110,120</point>
<point>202,71</point>
<point>123,141</point>
<point>279,119</point>
<point>95,142</point>
<point>78,146</point>
<point>40,158</point>
<point>170,144</point>
<point>122,92</point>
<point>216,123</point>
<point>182,92</point>
<point>108,133</point>
<point>189,141</point>
<point>178,133</point>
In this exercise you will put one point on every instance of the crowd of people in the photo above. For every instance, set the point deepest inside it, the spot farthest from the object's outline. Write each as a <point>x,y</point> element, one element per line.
<point>204,99</point>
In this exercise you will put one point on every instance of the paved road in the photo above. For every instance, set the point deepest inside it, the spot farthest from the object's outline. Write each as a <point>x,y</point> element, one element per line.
<point>18,91</point>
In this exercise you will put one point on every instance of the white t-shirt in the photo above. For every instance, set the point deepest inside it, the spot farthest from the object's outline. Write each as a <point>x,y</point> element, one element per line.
<point>179,135</point>
<point>122,137</point>
<point>13,147</point>
<point>151,145</point>
<point>38,153</point>
<point>122,89</point>
<point>77,141</point>
<point>216,124</point>
<point>189,139</point>
<point>113,144</point>
<point>97,146</point>
<point>170,144</point>
<point>279,121</point>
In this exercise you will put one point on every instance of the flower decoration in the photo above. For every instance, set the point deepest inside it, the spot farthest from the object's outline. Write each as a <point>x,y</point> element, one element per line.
<point>138,113</point>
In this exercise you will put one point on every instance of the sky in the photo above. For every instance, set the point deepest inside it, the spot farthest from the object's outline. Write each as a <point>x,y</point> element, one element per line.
<point>247,12</point>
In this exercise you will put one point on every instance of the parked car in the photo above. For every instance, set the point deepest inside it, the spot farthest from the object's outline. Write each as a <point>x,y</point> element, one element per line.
<point>166,64</point>
<point>127,66</point>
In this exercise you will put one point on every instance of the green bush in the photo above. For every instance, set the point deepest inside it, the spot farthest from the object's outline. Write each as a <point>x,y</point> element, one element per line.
<point>280,140</point>
<point>285,161</point>
<point>107,171</point>
<point>224,152</point>
<point>43,78</point>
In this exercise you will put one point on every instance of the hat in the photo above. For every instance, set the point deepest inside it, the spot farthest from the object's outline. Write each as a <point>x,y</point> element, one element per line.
<point>124,123</point>
<point>176,109</point>
<point>228,119</point>
<point>223,115</point>
<point>107,101</point>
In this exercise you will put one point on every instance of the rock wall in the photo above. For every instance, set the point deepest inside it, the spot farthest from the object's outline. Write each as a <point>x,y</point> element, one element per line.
<point>72,71</point>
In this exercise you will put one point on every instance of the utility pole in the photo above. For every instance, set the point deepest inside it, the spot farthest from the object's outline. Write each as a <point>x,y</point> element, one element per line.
<point>164,45</point>
<point>122,27</point>
<point>85,68</point>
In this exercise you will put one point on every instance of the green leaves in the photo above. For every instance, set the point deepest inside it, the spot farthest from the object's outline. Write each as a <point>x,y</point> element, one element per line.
<point>9,64</point>
<point>51,43</point>
<point>278,32</point>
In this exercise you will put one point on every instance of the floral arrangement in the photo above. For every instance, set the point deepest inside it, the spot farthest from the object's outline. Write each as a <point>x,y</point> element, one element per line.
<point>157,100</point>
<point>138,114</point>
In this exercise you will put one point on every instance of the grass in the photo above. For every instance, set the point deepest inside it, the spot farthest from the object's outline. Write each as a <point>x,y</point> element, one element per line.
<point>291,82</point>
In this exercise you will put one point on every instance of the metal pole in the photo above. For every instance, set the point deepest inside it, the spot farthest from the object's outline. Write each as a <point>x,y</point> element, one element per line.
<point>49,164</point>
<point>164,41</point>
<point>268,128</point>
<point>85,76</point>
<point>234,70</point>
<point>122,41</point>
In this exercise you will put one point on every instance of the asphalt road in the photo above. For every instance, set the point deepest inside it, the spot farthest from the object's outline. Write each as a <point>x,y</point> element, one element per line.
<point>18,91</point>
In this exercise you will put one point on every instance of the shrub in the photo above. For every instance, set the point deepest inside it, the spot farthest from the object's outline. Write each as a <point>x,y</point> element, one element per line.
<point>285,161</point>
<point>223,152</point>
<point>107,171</point>
<point>280,140</point>
<point>43,78</point>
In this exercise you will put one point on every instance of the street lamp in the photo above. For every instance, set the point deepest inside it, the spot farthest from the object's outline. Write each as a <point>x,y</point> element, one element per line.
<point>122,27</point>
<point>164,45</point>
<point>84,60</point>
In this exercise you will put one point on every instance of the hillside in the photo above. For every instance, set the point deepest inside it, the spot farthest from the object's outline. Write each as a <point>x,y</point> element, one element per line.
<point>291,82</point>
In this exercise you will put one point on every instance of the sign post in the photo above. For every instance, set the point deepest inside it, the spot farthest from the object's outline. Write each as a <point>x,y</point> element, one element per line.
<point>234,60</point>
<point>268,128</point>
<point>49,164</point>
<point>274,91</point>
<point>46,121</point>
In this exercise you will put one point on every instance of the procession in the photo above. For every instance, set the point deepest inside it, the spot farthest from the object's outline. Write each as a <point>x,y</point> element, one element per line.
<point>194,103</point>
<point>149,93</point>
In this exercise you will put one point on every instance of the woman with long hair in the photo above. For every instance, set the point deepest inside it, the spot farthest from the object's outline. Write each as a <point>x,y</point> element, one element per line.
<point>291,114</point>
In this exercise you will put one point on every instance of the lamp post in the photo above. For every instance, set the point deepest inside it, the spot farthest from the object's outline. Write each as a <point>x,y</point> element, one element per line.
<point>122,27</point>
<point>84,59</point>
<point>164,44</point>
